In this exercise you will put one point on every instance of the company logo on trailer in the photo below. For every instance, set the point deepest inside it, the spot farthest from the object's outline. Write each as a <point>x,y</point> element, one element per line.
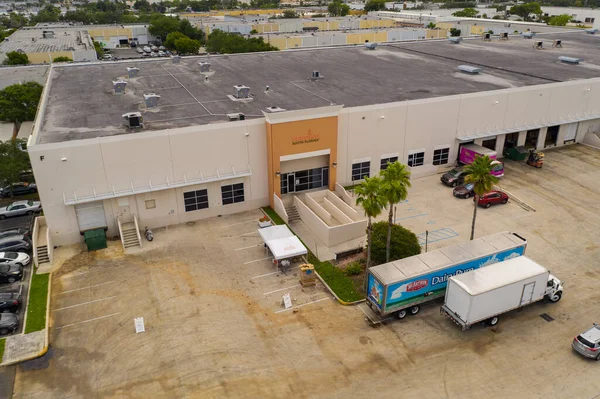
<point>309,138</point>
<point>416,285</point>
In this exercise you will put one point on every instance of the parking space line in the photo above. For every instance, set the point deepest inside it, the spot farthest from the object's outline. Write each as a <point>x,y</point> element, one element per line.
<point>251,246</point>
<point>89,286</point>
<point>237,224</point>
<point>304,304</point>
<point>254,261</point>
<point>87,321</point>
<point>270,274</point>
<point>85,303</point>
<point>413,216</point>
<point>245,234</point>
<point>282,289</point>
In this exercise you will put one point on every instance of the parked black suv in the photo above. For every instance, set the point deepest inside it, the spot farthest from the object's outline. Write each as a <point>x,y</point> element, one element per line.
<point>15,243</point>
<point>10,273</point>
<point>454,177</point>
<point>19,189</point>
<point>9,302</point>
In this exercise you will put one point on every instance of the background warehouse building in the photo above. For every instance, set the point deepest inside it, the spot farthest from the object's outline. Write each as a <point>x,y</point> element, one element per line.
<point>163,142</point>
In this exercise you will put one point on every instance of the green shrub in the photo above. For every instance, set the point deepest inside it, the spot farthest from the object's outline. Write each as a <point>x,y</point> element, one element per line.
<point>62,59</point>
<point>404,243</point>
<point>353,269</point>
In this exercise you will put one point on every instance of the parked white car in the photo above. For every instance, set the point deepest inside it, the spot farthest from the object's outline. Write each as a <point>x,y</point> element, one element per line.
<point>20,208</point>
<point>14,258</point>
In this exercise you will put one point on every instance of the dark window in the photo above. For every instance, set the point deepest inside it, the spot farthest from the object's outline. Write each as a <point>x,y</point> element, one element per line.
<point>489,144</point>
<point>416,159</point>
<point>551,136</point>
<point>440,157</point>
<point>195,200</point>
<point>360,170</point>
<point>232,194</point>
<point>385,161</point>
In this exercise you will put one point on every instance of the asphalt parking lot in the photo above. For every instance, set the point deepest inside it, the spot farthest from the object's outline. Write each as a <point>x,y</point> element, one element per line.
<point>215,326</point>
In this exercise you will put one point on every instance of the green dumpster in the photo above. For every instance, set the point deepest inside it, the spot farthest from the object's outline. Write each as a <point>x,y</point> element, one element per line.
<point>95,239</point>
<point>516,153</point>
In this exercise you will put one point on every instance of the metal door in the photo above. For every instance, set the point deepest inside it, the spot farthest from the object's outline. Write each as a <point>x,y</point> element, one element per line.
<point>291,177</point>
<point>90,215</point>
<point>124,210</point>
<point>527,293</point>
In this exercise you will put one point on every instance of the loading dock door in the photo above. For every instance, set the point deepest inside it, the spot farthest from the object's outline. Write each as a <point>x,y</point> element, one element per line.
<point>571,132</point>
<point>90,216</point>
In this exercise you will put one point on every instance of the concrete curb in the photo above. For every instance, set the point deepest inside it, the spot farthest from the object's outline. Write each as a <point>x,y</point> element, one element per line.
<point>341,301</point>
<point>521,203</point>
<point>46,334</point>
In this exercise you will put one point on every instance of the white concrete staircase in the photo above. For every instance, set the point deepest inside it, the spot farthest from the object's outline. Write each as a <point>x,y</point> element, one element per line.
<point>42,255</point>
<point>292,213</point>
<point>130,236</point>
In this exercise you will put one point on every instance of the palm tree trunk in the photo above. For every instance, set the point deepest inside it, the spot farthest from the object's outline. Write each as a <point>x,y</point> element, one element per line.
<point>388,243</point>
<point>476,204</point>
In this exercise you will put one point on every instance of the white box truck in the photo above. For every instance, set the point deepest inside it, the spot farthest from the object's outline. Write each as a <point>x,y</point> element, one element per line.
<point>399,287</point>
<point>483,295</point>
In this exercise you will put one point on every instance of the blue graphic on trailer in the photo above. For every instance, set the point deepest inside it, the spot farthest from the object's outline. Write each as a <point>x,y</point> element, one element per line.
<point>437,281</point>
<point>375,291</point>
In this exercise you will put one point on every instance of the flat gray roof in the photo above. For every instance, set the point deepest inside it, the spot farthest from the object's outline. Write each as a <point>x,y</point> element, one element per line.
<point>31,40</point>
<point>81,103</point>
<point>13,75</point>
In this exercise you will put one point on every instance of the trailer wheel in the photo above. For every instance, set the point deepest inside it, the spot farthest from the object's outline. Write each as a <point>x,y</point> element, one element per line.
<point>414,310</point>
<point>555,297</point>
<point>493,321</point>
<point>401,314</point>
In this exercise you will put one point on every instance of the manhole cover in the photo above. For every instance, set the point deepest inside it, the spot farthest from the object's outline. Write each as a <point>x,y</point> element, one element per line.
<point>547,317</point>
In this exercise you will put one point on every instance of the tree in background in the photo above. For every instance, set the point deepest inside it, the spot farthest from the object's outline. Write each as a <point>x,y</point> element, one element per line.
<point>161,26</point>
<point>394,188</point>
<point>404,243</point>
<point>16,58</point>
<point>229,43</point>
<point>526,10</point>
<point>47,14</point>
<point>171,38</point>
<point>431,25</point>
<point>142,5</point>
<point>190,31</point>
<point>99,49</point>
<point>372,202</point>
<point>185,45</point>
<point>454,32</point>
<point>13,162</point>
<point>560,20</point>
<point>466,13</point>
<point>479,174</point>
<point>290,14</point>
<point>62,59</point>
<point>338,9</point>
<point>19,102</point>
<point>374,5</point>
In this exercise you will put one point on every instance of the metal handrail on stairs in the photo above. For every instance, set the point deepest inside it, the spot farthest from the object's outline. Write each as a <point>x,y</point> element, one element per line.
<point>137,230</point>
<point>121,231</point>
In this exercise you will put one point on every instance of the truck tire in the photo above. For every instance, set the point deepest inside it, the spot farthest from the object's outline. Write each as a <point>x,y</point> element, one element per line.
<point>413,310</point>
<point>401,314</point>
<point>492,321</point>
<point>555,298</point>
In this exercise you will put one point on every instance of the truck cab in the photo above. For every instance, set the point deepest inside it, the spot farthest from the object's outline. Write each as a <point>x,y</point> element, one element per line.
<point>554,289</point>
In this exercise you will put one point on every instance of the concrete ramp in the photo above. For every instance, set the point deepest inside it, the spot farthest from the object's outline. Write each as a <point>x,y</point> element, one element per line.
<point>592,139</point>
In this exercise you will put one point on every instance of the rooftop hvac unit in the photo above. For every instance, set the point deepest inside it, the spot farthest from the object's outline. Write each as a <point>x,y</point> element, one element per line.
<point>557,43</point>
<point>241,91</point>
<point>151,100</point>
<point>316,75</point>
<point>133,120</point>
<point>204,66</point>
<point>528,35</point>
<point>133,72</point>
<point>48,34</point>
<point>469,69</point>
<point>236,116</point>
<point>455,40</point>
<point>504,36</point>
<point>119,86</point>
<point>370,46</point>
<point>487,37</point>
<point>176,59</point>
<point>274,109</point>
<point>569,60</point>
<point>538,45</point>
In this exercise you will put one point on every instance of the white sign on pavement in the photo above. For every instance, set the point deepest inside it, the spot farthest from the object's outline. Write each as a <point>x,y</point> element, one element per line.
<point>139,325</point>
<point>287,301</point>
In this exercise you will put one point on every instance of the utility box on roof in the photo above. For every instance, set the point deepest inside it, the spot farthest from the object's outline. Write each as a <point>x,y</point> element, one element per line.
<point>95,239</point>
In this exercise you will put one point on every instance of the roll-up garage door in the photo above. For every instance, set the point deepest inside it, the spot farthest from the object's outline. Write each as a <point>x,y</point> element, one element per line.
<point>90,215</point>
<point>571,131</point>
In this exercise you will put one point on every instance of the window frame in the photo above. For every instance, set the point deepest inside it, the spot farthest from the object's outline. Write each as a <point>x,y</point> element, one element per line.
<point>388,159</point>
<point>230,193</point>
<point>363,169</point>
<point>416,154</point>
<point>440,156</point>
<point>198,200</point>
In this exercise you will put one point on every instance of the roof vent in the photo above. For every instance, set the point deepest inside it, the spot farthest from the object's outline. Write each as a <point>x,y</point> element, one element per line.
<point>48,34</point>
<point>119,86</point>
<point>151,100</point>
<point>133,72</point>
<point>504,35</point>
<point>591,31</point>
<point>204,66</point>
<point>371,46</point>
<point>176,59</point>
<point>241,91</point>
<point>274,109</point>
<point>557,43</point>
<point>236,117</point>
<point>538,45</point>
<point>569,60</point>
<point>469,69</point>
<point>528,35</point>
<point>316,75</point>
<point>455,40</point>
<point>133,120</point>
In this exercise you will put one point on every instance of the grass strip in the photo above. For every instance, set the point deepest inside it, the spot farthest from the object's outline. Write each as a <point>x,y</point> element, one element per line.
<point>38,296</point>
<point>2,344</point>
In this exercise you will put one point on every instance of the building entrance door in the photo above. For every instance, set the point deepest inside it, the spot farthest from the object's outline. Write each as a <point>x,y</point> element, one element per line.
<point>291,183</point>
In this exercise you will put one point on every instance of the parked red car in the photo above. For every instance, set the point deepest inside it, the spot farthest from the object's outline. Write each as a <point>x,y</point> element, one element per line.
<point>492,198</point>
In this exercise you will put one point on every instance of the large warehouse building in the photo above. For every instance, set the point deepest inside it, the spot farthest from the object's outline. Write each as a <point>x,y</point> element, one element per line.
<point>167,142</point>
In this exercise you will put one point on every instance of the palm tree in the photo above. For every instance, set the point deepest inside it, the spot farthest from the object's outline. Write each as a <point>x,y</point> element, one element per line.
<point>396,181</point>
<point>479,174</point>
<point>371,200</point>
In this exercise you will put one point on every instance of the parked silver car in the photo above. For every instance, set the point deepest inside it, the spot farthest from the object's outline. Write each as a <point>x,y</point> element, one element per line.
<point>14,258</point>
<point>20,208</point>
<point>588,343</point>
